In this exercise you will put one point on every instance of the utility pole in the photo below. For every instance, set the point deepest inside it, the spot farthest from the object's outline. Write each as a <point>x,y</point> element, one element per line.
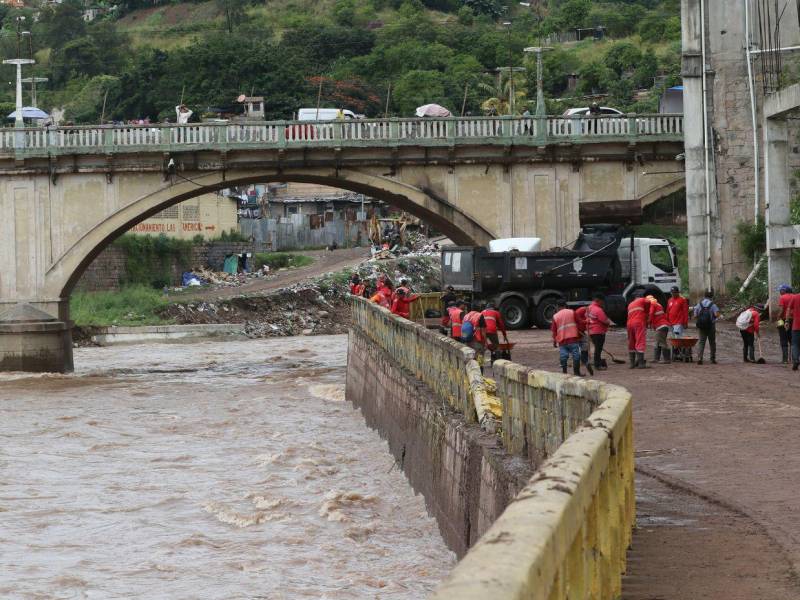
<point>18,121</point>
<point>33,81</point>
<point>511,94</point>
<point>541,107</point>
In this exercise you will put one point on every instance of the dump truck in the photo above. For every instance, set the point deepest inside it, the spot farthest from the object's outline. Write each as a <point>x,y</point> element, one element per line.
<point>526,286</point>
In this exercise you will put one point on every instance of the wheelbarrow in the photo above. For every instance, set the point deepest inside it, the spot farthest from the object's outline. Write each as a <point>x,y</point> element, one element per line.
<point>502,351</point>
<point>682,348</point>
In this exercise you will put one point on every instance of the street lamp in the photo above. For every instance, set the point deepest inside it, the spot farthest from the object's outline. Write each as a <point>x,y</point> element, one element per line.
<point>18,122</point>
<point>511,94</point>
<point>541,108</point>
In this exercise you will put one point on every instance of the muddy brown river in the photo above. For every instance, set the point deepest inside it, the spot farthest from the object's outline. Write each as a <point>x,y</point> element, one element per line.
<point>206,470</point>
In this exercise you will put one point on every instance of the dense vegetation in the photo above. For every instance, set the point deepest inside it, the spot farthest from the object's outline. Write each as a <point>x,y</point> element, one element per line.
<point>142,57</point>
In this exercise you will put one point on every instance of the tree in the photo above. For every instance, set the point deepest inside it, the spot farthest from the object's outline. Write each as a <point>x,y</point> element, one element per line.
<point>572,14</point>
<point>416,88</point>
<point>234,11</point>
<point>62,23</point>
<point>623,57</point>
<point>594,78</point>
<point>500,93</point>
<point>492,8</point>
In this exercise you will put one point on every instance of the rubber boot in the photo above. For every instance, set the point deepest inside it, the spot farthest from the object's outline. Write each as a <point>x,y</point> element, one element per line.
<point>667,356</point>
<point>744,354</point>
<point>641,363</point>
<point>564,369</point>
<point>657,354</point>
<point>752,350</point>
<point>576,369</point>
<point>632,358</point>
<point>785,354</point>
<point>589,368</point>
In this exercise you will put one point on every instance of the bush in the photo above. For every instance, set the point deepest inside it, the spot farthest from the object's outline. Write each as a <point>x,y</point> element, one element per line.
<point>131,305</point>
<point>280,260</point>
<point>150,260</point>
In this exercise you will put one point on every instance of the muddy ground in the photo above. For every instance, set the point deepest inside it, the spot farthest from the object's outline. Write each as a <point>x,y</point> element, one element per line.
<point>718,471</point>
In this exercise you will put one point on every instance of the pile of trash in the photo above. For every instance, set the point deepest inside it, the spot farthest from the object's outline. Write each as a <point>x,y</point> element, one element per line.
<point>415,244</point>
<point>314,307</point>
<point>221,279</point>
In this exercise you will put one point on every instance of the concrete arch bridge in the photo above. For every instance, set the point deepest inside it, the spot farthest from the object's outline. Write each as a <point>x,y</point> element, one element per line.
<point>66,193</point>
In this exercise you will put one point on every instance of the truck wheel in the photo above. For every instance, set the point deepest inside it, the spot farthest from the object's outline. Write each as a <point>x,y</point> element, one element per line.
<point>515,313</point>
<point>545,310</point>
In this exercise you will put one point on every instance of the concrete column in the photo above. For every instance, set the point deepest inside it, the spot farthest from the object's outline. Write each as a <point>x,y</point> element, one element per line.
<point>777,214</point>
<point>693,72</point>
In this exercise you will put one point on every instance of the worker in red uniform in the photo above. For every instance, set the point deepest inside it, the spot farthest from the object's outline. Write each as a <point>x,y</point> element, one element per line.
<point>660,323</point>
<point>638,311</point>
<point>784,324</point>
<point>456,313</point>
<point>583,331</point>
<point>793,317</point>
<point>494,323</point>
<point>477,339</point>
<point>678,317</point>
<point>401,305</point>
<point>566,337</point>
<point>597,325</point>
<point>357,287</point>
<point>384,294</point>
<point>750,333</point>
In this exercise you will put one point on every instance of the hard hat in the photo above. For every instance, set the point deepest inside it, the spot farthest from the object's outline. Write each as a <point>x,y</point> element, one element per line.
<point>675,288</point>
<point>784,288</point>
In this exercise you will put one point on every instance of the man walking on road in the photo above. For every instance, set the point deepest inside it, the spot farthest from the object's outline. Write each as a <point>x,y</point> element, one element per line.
<point>793,314</point>
<point>566,337</point>
<point>598,324</point>
<point>706,314</point>
<point>638,311</point>
<point>784,324</point>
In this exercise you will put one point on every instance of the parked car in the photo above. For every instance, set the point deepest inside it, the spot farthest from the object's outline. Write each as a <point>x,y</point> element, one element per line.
<point>584,111</point>
<point>324,114</point>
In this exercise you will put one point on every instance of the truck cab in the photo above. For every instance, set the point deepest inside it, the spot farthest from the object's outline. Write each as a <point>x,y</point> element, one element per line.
<point>650,263</point>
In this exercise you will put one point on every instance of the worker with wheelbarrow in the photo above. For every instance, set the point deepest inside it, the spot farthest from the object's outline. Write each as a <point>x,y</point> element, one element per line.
<point>678,318</point>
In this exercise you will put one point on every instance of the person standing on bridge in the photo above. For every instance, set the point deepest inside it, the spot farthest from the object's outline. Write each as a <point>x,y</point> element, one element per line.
<point>638,311</point>
<point>566,337</point>
<point>598,324</point>
<point>660,323</point>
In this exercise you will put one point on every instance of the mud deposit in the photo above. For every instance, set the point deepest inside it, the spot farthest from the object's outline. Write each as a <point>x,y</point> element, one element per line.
<point>207,470</point>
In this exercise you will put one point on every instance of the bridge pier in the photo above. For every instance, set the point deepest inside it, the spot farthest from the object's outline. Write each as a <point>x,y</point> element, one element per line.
<point>33,340</point>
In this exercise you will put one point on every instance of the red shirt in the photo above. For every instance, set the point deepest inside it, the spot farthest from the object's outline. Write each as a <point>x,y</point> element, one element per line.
<point>564,328</point>
<point>637,312</point>
<point>401,305</point>
<point>658,318</point>
<point>755,322</point>
<point>794,311</point>
<point>784,302</point>
<point>678,311</point>
<point>478,324</point>
<point>456,318</point>
<point>493,320</point>
<point>598,320</point>
<point>580,319</point>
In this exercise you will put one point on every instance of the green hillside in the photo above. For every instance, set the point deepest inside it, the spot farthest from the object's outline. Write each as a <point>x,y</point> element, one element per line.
<point>141,58</point>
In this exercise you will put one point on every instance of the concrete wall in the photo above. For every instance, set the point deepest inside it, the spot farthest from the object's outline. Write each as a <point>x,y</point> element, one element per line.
<point>208,216</point>
<point>566,533</point>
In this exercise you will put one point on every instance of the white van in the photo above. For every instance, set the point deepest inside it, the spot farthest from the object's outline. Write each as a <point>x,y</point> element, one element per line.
<point>324,114</point>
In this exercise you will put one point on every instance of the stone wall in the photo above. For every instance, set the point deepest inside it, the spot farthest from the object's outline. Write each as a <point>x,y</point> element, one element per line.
<point>109,269</point>
<point>566,532</point>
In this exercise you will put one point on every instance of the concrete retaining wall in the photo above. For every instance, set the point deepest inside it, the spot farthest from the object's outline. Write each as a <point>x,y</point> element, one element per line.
<point>297,235</point>
<point>566,532</point>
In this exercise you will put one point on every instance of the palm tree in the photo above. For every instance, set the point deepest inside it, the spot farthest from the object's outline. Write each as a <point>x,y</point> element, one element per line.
<point>500,93</point>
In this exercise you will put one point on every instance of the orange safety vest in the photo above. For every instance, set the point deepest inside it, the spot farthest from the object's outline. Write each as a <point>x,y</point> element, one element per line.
<point>455,321</point>
<point>565,326</point>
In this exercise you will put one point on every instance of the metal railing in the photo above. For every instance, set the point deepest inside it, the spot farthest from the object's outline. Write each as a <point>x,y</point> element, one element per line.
<point>380,132</point>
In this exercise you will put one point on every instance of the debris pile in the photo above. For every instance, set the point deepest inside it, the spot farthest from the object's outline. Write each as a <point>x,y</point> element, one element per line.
<point>314,307</point>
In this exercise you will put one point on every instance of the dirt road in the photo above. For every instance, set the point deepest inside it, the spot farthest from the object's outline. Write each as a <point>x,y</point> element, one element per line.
<point>324,261</point>
<point>718,471</point>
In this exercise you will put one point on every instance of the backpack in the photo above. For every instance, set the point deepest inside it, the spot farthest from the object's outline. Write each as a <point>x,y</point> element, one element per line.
<point>467,331</point>
<point>744,320</point>
<point>705,320</point>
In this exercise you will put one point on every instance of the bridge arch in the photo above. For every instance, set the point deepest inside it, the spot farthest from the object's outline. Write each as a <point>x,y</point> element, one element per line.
<point>426,204</point>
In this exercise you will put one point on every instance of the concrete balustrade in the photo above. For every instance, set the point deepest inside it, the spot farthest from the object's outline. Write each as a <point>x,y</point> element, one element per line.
<point>282,134</point>
<point>566,532</point>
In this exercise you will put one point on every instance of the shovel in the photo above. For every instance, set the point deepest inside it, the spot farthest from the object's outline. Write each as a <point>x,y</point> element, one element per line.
<point>616,361</point>
<point>760,360</point>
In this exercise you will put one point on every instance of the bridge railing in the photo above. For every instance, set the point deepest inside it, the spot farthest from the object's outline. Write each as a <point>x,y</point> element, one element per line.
<point>450,131</point>
<point>566,533</point>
